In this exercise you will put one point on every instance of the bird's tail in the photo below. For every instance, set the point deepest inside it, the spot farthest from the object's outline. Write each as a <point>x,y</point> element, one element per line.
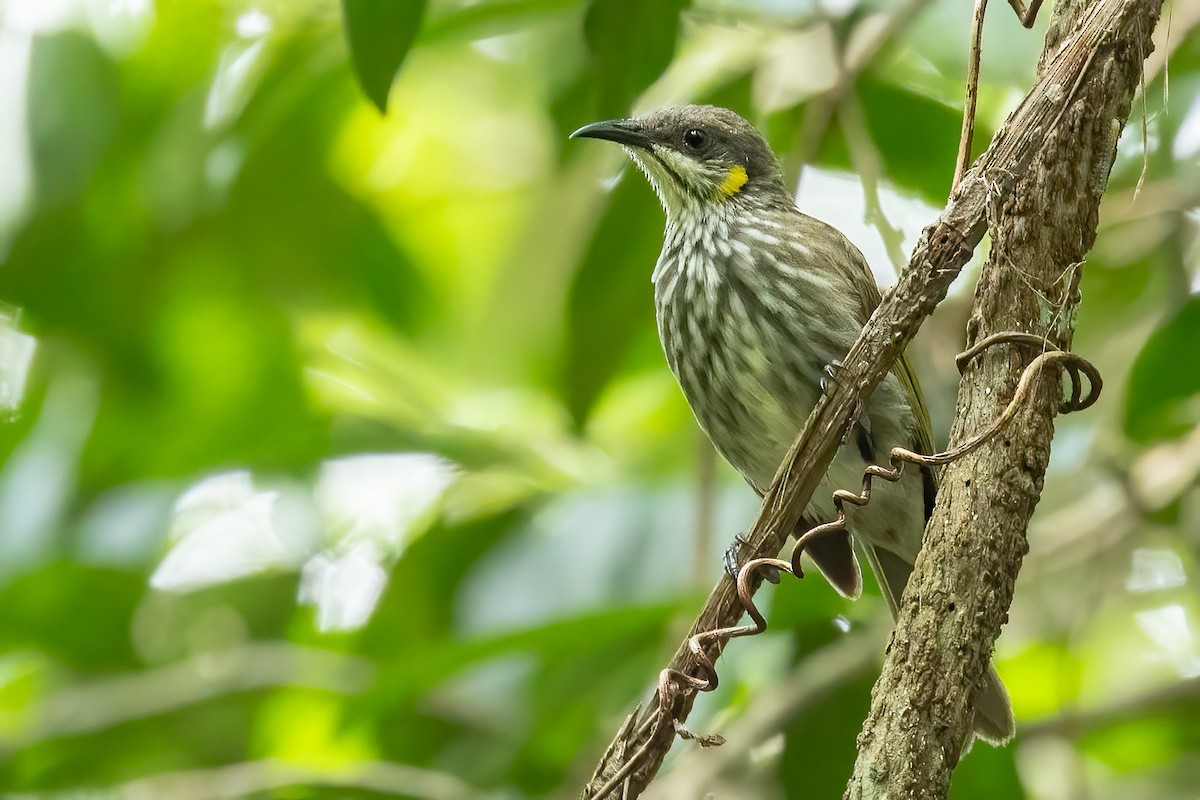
<point>993,712</point>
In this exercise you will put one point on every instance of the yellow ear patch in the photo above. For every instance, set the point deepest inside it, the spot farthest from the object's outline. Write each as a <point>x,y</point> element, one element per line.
<point>734,181</point>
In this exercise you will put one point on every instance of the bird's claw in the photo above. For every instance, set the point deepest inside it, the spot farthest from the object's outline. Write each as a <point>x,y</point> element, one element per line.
<point>831,373</point>
<point>733,568</point>
<point>731,556</point>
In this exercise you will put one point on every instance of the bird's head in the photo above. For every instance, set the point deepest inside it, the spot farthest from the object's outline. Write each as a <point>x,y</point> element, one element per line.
<point>696,156</point>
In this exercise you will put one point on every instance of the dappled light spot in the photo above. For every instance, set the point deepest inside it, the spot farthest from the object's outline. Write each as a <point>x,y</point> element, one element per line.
<point>590,547</point>
<point>1154,569</point>
<point>1165,471</point>
<point>836,197</point>
<point>118,25</point>
<point>225,528</point>
<point>1171,630</point>
<point>40,476</point>
<point>344,588</point>
<point>1187,138</point>
<point>371,507</point>
<point>795,66</point>
<point>239,70</point>
<point>343,535</point>
<point>16,355</point>
<point>380,498</point>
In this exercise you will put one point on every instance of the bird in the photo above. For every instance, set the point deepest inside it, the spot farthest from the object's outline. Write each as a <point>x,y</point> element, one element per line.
<point>755,304</point>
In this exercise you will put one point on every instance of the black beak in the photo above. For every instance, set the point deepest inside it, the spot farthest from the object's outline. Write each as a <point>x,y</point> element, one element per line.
<point>628,132</point>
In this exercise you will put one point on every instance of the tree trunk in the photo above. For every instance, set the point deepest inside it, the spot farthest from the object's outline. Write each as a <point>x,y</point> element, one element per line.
<point>958,597</point>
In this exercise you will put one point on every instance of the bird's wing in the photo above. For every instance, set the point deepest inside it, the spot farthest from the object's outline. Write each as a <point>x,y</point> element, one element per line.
<point>902,369</point>
<point>923,435</point>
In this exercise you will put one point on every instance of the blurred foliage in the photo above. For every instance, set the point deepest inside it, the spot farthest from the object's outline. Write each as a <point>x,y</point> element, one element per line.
<point>1162,395</point>
<point>340,459</point>
<point>379,34</point>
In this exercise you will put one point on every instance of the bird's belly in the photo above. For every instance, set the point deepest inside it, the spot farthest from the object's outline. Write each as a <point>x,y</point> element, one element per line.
<point>752,401</point>
<point>754,435</point>
<point>750,394</point>
<point>752,385</point>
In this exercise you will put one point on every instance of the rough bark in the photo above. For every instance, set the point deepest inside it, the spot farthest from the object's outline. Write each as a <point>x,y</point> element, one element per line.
<point>959,595</point>
<point>944,248</point>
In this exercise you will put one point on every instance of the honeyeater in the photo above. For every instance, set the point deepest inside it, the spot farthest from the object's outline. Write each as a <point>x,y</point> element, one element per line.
<point>754,301</point>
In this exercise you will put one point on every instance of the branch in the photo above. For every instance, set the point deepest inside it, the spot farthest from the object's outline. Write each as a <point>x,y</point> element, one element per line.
<point>958,596</point>
<point>106,702</point>
<point>232,781</point>
<point>943,249</point>
<point>812,678</point>
<point>1165,700</point>
<point>972,93</point>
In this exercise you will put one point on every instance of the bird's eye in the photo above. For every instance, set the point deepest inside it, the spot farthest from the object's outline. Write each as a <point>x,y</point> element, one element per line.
<point>694,138</point>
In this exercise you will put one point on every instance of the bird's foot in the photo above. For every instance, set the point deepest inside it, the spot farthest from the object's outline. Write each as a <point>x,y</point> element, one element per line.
<point>733,568</point>
<point>831,374</point>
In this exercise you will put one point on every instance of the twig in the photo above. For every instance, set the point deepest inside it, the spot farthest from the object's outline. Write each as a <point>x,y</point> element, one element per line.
<point>1027,15</point>
<point>1139,706</point>
<point>968,124</point>
<point>110,701</point>
<point>247,778</point>
<point>812,678</point>
<point>1141,181</point>
<point>1183,19</point>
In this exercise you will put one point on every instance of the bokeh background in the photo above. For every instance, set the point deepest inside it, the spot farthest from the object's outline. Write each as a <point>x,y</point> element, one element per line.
<point>340,460</point>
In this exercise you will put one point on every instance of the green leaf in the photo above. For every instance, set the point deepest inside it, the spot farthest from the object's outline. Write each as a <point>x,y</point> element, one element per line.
<point>819,742</point>
<point>40,611</point>
<point>917,137</point>
<point>379,33</point>
<point>989,774</point>
<point>631,43</point>
<point>495,18</point>
<point>611,302</point>
<point>73,110</point>
<point>1162,402</point>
